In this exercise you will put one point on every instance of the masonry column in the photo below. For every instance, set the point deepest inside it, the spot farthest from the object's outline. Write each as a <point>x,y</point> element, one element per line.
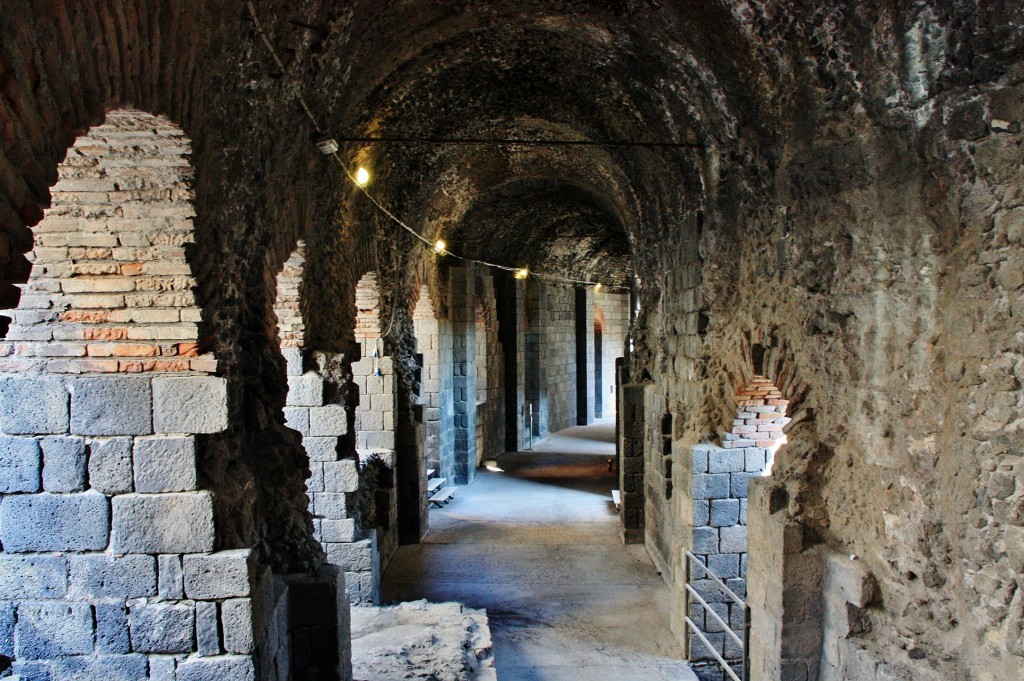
<point>631,465</point>
<point>784,591</point>
<point>512,334</point>
<point>463,314</point>
<point>585,368</point>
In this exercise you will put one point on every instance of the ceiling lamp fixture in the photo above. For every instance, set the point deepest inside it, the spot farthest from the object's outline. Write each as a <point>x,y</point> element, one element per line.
<point>362,176</point>
<point>521,273</point>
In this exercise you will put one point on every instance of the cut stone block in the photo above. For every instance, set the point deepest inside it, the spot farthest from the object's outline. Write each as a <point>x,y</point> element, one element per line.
<point>711,486</point>
<point>733,539</point>
<point>190,404</point>
<point>726,460</point>
<point>110,465</point>
<point>237,620</point>
<point>221,668</point>
<point>354,557</point>
<point>111,406</point>
<point>340,531</point>
<point>64,463</point>
<point>32,577</point>
<point>328,420</point>
<point>51,630</point>
<point>321,448</point>
<point>225,574</point>
<point>297,418</point>
<point>108,667</point>
<point>127,577</point>
<point>341,476</point>
<point>33,406</point>
<point>725,512</point>
<point>162,668</point>
<point>327,505</point>
<point>7,623</point>
<point>165,464</point>
<point>55,522</point>
<point>161,628</point>
<point>112,629</point>
<point>170,584</point>
<point>163,523</point>
<point>293,361</point>
<point>20,461</point>
<point>305,391</point>
<point>207,632</point>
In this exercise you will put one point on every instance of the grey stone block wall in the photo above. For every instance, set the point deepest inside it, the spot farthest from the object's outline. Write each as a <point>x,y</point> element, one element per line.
<point>719,494</point>
<point>98,507</point>
<point>335,480</point>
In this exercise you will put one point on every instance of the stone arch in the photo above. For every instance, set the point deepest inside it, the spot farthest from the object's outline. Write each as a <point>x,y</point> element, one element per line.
<point>368,327</point>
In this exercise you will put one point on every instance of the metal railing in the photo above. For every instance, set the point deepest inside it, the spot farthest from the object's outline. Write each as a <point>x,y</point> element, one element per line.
<point>743,643</point>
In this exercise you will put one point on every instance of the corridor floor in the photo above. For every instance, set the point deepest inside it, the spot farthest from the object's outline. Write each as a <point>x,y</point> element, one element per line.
<point>537,545</point>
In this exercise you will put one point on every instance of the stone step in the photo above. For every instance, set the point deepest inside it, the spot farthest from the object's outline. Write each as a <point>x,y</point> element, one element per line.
<point>443,496</point>
<point>435,484</point>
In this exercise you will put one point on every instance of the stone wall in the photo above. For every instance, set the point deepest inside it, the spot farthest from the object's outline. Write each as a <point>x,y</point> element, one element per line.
<point>434,344</point>
<point>614,310</point>
<point>490,407</point>
<point>558,357</point>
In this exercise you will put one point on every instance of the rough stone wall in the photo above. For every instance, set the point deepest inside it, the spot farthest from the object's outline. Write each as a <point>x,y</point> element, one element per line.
<point>879,263</point>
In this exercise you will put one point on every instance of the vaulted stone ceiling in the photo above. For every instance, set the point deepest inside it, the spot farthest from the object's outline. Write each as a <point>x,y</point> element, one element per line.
<point>582,72</point>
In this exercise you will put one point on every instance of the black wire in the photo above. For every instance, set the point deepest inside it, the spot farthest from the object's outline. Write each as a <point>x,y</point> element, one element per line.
<point>526,142</point>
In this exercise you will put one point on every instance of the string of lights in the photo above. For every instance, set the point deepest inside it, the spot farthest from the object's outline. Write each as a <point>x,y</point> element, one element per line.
<point>361,177</point>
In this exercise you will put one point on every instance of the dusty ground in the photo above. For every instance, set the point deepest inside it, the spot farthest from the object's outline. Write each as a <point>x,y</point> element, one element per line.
<point>537,546</point>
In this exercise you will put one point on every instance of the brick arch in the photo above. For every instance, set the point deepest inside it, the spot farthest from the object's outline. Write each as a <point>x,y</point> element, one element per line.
<point>110,289</point>
<point>70,64</point>
<point>599,319</point>
<point>291,327</point>
<point>368,326</point>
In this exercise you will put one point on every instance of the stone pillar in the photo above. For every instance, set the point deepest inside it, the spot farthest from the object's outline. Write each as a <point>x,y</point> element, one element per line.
<point>631,464</point>
<point>586,371</point>
<point>108,569</point>
<point>512,334</point>
<point>784,591</point>
<point>463,314</point>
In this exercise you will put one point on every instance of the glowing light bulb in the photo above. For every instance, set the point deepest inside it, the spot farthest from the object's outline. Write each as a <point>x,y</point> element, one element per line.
<point>597,287</point>
<point>362,176</point>
<point>440,247</point>
<point>521,273</point>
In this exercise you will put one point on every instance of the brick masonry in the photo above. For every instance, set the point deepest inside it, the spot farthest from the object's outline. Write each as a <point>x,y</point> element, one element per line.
<point>111,290</point>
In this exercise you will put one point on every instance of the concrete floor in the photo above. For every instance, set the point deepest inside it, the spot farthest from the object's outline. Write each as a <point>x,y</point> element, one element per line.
<point>537,546</point>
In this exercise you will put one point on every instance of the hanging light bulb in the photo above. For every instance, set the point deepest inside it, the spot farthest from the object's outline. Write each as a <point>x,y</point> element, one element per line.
<point>362,176</point>
<point>440,247</point>
<point>521,273</point>
<point>597,287</point>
